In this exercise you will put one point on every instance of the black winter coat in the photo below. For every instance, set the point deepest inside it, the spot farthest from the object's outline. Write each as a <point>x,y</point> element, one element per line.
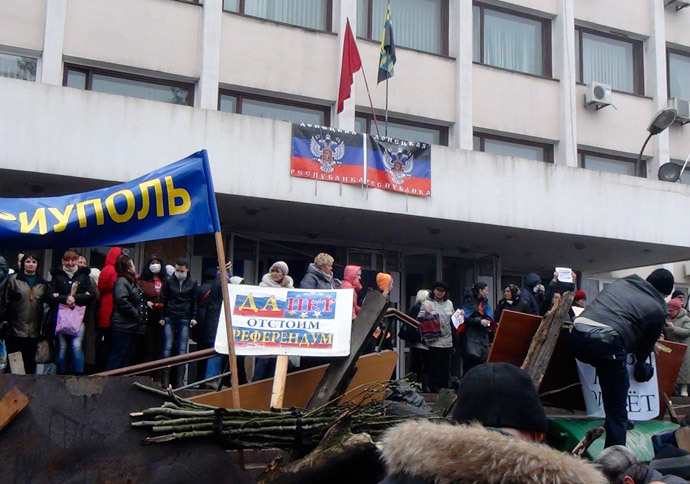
<point>179,298</point>
<point>208,313</point>
<point>518,306</point>
<point>126,306</point>
<point>477,337</point>
<point>61,283</point>
<point>634,309</point>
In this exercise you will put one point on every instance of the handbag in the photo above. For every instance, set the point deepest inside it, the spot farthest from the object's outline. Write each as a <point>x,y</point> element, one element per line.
<point>430,327</point>
<point>69,319</point>
<point>44,352</point>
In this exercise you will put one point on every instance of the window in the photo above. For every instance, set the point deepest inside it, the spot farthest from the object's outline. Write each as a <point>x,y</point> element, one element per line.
<point>610,59</point>
<point>679,74</point>
<point>511,40</point>
<point>129,85</point>
<point>417,24</point>
<point>404,130</point>
<point>272,108</point>
<point>609,163</point>
<point>18,67</point>
<point>499,145</point>
<point>311,14</point>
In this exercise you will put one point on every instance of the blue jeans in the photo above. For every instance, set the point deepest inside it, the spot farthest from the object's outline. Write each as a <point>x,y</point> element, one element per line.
<point>123,347</point>
<point>71,344</point>
<point>176,333</point>
<point>608,357</point>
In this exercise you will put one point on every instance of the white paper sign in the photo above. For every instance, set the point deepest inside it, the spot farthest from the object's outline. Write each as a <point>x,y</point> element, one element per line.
<point>280,321</point>
<point>643,398</point>
<point>458,318</point>
<point>564,274</point>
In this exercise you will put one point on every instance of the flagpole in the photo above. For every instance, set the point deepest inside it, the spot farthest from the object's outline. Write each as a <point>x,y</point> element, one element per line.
<point>371,104</point>
<point>386,126</point>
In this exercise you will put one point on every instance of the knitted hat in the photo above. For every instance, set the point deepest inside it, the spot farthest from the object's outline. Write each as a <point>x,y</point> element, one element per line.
<point>674,304</point>
<point>677,293</point>
<point>662,280</point>
<point>500,395</point>
<point>383,281</point>
<point>441,285</point>
<point>282,266</point>
<point>580,294</point>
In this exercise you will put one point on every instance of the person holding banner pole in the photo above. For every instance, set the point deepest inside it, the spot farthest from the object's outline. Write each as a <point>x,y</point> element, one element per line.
<point>71,286</point>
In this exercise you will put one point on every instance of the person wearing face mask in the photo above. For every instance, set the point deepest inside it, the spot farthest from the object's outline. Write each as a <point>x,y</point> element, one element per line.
<point>24,297</point>
<point>106,281</point>
<point>179,298</point>
<point>151,282</point>
<point>127,321</point>
<point>70,354</point>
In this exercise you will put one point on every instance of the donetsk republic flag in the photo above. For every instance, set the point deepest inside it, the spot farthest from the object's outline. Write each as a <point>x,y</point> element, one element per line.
<point>399,166</point>
<point>327,154</point>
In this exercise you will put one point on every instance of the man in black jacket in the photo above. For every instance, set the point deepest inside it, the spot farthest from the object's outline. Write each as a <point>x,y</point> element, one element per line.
<point>626,318</point>
<point>179,298</point>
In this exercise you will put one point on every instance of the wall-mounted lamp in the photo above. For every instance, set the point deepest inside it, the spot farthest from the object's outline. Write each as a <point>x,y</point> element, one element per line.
<point>662,120</point>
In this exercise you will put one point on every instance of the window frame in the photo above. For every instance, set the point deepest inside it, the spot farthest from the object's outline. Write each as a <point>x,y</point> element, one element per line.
<point>241,95</point>
<point>546,43</point>
<point>669,51</point>
<point>369,118</point>
<point>90,71</point>
<point>329,16</point>
<point>445,35</point>
<point>583,153</point>
<point>547,147</point>
<point>637,53</point>
<point>35,57</point>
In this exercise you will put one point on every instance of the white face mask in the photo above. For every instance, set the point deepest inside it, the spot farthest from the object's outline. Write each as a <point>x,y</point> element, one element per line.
<point>181,276</point>
<point>155,268</point>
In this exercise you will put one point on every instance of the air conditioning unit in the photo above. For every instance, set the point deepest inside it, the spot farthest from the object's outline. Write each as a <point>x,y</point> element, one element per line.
<point>682,106</point>
<point>677,4</point>
<point>598,95</point>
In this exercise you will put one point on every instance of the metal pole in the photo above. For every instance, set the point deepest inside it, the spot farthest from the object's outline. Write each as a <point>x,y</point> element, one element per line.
<point>386,129</point>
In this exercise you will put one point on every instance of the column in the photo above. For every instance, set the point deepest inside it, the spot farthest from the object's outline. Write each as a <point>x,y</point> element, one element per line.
<point>564,69</point>
<point>347,10</point>
<point>210,54</point>
<point>461,47</point>
<point>53,40</point>
<point>655,83</point>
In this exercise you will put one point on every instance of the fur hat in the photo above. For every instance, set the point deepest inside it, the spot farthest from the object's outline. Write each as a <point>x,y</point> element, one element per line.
<point>440,285</point>
<point>580,294</point>
<point>282,266</point>
<point>500,395</point>
<point>662,280</point>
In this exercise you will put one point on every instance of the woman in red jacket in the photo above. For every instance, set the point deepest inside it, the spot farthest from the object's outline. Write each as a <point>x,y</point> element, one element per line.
<point>106,281</point>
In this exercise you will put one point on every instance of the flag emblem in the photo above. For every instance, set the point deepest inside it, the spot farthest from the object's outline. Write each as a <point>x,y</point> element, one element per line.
<point>327,152</point>
<point>398,165</point>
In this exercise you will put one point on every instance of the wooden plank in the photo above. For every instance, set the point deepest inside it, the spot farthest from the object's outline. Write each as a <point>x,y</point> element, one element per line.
<point>279,378</point>
<point>300,385</point>
<point>339,373</point>
<point>513,337</point>
<point>16,363</point>
<point>10,406</point>
<point>667,368</point>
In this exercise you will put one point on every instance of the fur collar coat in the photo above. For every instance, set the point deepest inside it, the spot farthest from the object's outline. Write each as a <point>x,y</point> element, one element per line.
<point>424,452</point>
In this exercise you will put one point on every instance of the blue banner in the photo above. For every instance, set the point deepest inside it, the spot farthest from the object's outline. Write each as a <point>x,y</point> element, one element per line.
<point>175,200</point>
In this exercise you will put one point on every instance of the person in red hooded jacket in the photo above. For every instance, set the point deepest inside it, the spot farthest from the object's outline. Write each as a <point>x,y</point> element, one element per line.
<point>352,279</point>
<point>106,281</point>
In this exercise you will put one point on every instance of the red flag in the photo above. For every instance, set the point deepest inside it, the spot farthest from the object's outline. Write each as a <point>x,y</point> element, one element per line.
<point>351,64</point>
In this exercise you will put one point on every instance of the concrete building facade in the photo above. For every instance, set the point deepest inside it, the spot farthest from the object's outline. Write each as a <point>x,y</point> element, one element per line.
<point>525,177</point>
